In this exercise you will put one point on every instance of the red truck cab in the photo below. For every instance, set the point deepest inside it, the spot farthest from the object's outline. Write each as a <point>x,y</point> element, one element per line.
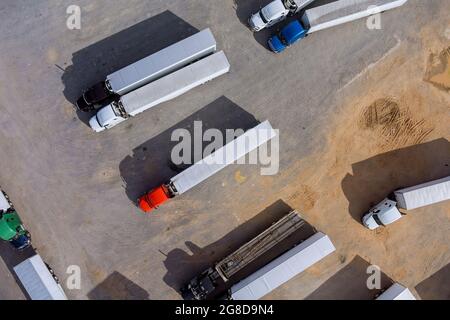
<point>154,198</point>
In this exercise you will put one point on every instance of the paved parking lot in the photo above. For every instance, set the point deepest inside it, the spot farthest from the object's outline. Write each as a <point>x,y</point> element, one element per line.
<point>74,188</point>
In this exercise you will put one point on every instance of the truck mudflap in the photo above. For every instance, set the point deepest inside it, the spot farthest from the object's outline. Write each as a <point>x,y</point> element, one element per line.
<point>154,199</point>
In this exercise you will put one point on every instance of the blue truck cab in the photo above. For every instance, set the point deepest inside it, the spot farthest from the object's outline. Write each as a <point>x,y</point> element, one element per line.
<point>288,35</point>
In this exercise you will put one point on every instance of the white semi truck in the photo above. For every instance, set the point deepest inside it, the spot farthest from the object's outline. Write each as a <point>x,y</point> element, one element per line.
<point>327,16</point>
<point>270,276</point>
<point>208,166</point>
<point>387,211</point>
<point>149,69</point>
<point>275,12</point>
<point>161,90</point>
<point>39,280</point>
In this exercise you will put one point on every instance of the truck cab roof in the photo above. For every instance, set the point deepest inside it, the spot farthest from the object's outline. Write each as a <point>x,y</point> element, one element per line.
<point>382,214</point>
<point>291,33</point>
<point>273,10</point>
<point>10,225</point>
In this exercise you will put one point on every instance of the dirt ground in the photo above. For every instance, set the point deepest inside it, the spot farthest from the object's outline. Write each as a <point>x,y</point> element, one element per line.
<point>392,130</point>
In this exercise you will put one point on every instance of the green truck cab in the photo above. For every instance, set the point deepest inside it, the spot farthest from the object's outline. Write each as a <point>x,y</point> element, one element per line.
<point>11,227</point>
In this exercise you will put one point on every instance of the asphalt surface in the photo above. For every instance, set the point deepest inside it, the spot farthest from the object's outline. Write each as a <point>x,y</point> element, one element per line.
<point>75,189</point>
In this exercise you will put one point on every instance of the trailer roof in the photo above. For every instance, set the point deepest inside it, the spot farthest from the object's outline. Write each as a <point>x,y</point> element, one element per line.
<point>424,194</point>
<point>223,157</point>
<point>37,280</point>
<point>283,268</point>
<point>342,11</point>
<point>162,62</point>
<point>176,83</point>
<point>397,292</point>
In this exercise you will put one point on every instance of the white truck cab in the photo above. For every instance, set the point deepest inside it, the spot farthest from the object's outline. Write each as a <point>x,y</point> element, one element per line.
<point>268,16</point>
<point>382,214</point>
<point>105,118</point>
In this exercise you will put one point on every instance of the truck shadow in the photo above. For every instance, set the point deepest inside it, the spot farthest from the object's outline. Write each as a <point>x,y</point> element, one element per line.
<point>377,177</point>
<point>12,258</point>
<point>150,164</point>
<point>93,63</point>
<point>437,286</point>
<point>183,266</point>
<point>245,8</point>
<point>118,287</point>
<point>350,283</point>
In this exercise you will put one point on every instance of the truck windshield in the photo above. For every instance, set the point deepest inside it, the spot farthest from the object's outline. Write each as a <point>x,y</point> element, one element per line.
<point>261,13</point>
<point>377,219</point>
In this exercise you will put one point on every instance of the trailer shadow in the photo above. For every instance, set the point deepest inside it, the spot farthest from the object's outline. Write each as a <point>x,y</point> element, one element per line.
<point>350,283</point>
<point>12,258</point>
<point>93,63</point>
<point>377,177</point>
<point>182,266</point>
<point>245,8</point>
<point>437,286</point>
<point>150,164</point>
<point>118,287</point>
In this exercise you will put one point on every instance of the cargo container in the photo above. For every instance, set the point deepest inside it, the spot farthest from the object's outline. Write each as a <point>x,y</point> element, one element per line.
<point>39,280</point>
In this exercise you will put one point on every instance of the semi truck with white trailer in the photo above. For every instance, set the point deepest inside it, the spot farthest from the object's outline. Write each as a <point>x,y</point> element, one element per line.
<point>273,274</point>
<point>11,227</point>
<point>208,166</point>
<point>387,211</point>
<point>275,12</point>
<point>396,292</point>
<point>327,16</point>
<point>161,90</point>
<point>39,280</point>
<point>150,68</point>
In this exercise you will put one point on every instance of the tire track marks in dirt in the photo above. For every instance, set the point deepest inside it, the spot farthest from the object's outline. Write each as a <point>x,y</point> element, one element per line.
<point>394,124</point>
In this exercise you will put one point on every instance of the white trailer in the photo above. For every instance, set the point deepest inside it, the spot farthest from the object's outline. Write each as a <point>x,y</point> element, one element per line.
<point>38,280</point>
<point>222,157</point>
<point>343,11</point>
<point>4,202</point>
<point>161,90</point>
<point>396,292</point>
<point>387,211</point>
<point>424,194</point>
<point>283,268</point>
<point>208,166</point>
<point>150,68</point>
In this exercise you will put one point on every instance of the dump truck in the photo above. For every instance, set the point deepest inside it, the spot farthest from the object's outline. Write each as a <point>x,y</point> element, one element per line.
<point>271,275</point>
<point>148,69</point>
<point>164,89</point>
<point>11,227</point>
<point>396,292</point>
<point>39,280</point>
<point>208,166</point>
<point>387,211</point>
<point>327,16</point>
<point>275,12</point>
